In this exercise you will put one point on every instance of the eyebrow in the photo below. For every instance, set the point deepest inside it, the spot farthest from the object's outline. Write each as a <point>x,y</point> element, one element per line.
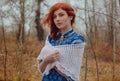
<point>60,13</point>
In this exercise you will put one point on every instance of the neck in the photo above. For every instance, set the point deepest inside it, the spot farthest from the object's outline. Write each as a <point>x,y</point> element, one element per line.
<point>63,31</point>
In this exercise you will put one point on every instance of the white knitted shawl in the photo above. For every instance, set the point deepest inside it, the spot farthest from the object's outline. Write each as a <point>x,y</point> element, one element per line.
<point>70,58</point>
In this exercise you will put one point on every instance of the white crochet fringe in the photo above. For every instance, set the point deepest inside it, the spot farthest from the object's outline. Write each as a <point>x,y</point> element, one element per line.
<point>70,59</point>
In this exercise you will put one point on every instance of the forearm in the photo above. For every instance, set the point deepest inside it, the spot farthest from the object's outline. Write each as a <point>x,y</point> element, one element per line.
<point>50,58</point>
<point>43,66</point>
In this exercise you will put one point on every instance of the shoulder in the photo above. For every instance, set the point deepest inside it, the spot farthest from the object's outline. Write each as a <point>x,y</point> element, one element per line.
<point>77,38</point>
<point>50,40</point>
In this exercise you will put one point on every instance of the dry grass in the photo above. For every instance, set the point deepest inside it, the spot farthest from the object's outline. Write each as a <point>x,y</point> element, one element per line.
<point>105,71</point>
<point>31,50</point>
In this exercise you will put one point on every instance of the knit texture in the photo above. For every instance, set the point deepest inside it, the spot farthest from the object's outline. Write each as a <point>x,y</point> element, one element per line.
<point>70,58</point>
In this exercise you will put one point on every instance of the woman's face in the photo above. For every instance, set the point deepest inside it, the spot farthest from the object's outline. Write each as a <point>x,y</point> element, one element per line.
<point>62,20</point>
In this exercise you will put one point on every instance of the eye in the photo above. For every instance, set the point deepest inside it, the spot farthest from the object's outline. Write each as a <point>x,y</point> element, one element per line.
<point>61,14</point>
<point>54,16</point>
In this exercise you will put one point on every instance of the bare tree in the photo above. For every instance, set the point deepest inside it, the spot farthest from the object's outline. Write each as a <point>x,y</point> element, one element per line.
<point>21,37</point>
<point>110,10</point>
<point>93,29</point>
<point>94,19</point>
<point>40,32</point>
<point>21,29</point>
<point>6,52</point>
<point>114,52</point>
<point>111,21</point>
<point>119,2</point>
<point>86,59</point>
<point>114,7</point>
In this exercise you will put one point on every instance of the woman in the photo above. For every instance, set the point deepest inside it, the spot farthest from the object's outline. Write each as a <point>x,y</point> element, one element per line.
<point>55,60</point>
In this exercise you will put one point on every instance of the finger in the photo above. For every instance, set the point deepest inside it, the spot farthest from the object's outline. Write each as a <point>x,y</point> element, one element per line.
<point>56,51</point>
<point>56,55</point>
<point>55,59</point>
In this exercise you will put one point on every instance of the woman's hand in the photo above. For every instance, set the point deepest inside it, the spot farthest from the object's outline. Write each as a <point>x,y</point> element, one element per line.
<point>52,57</point>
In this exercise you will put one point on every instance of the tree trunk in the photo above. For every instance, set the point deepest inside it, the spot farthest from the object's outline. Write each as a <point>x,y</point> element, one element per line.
<point>114,12</point>
<point>6,52</point>
<point>21,38</point>
<point>119,3</point>
<point>40,32</point>
<point>114,52</point>
<point>94,19</point>
<point>86,59</point>
<point>21,29</point>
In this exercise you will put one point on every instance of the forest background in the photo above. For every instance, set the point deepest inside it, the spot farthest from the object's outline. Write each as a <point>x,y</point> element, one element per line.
<point>22,37</point>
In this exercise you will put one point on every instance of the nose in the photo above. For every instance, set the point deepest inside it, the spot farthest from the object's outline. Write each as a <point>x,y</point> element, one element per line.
<point>57,18</point>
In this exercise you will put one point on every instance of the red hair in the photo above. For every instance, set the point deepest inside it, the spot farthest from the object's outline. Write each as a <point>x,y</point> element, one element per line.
<point>49,17</point>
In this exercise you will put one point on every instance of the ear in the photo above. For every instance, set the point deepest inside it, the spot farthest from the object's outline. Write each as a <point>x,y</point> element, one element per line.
<point>71,17</point>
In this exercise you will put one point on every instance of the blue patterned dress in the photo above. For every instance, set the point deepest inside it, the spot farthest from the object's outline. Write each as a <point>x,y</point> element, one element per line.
<point>70,37</point>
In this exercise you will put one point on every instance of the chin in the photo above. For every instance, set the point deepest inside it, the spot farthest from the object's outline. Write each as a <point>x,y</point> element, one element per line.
<point>59,27</point>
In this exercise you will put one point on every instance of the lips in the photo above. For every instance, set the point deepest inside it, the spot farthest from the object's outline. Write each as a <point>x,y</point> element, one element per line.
<point>59,24</point>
